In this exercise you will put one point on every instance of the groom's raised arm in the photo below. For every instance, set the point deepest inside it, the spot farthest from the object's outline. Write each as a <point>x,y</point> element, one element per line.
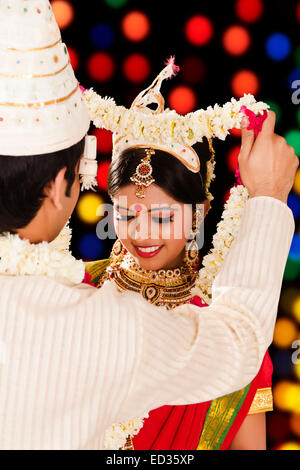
<point>196,354</point>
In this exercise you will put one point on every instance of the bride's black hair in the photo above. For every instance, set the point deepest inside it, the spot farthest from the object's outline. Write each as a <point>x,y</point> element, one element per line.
<point>169,173</point>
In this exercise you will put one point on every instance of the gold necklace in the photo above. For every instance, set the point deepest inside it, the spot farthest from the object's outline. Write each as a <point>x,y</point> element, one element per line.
<point>168,288</point>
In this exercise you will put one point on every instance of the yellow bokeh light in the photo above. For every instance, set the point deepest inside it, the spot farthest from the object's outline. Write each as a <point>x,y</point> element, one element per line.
<point>288,296</point>
<point>297,183</point>
<point>87,208</point>
<point>64,13</point>
<point>285,333</point>
<point>296,309</point>
<point>297,366</point>
<point>289,446</point>
<point>287,396</point>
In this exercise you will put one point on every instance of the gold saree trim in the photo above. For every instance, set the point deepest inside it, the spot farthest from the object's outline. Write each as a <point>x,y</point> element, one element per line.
<point>219,418</point>
<point>263,401</point>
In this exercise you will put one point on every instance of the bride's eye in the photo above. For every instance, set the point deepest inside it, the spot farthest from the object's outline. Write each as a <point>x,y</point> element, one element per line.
<point>124,218</point>
<point>163,219</point>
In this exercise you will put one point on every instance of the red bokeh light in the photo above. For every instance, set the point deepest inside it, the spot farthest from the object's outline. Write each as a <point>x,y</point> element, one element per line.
<point>136,68</point>
<point>136,26</point>
<point>193,70</point>
<point>199,30</point>
<point>245,81</point>
<point>102,175</point>
<point>74,58</point>
<point>226,196</point>
<point>104,141</point>
<point>249,10</point>
<point>182,99</point>
<point>236,40</point>
<point>101,67</point>
<point>298,11</point>
<point>232,158</point>
<point>236,132</point>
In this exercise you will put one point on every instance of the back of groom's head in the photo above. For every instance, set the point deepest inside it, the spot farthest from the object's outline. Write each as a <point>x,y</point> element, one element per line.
<point>24,180</point>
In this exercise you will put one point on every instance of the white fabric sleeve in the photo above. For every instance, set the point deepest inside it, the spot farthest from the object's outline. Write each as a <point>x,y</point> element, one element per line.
<point>193,354</point>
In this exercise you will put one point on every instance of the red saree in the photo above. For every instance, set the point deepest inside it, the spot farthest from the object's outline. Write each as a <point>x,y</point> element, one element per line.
<point>205,426</point>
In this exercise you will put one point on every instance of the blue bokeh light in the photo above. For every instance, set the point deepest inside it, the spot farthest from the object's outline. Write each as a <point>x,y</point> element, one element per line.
<point>278,46</point>
<point>293,76</point>
<point>90,247</point>
<point>295,248</point>
<point>103,36</point>
<point>294,205</point>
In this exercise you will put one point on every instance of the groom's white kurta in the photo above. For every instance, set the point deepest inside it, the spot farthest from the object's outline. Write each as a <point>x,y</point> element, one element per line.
<point>75,359</point>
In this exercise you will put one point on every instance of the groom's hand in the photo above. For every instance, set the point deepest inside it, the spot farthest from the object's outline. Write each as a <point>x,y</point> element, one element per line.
<point>268,165</point>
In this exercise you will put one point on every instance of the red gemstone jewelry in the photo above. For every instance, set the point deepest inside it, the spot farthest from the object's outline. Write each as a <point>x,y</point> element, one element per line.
<point>143,175</point>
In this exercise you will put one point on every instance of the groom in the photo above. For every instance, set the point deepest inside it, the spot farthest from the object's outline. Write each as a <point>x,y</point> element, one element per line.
<point>77,359</point>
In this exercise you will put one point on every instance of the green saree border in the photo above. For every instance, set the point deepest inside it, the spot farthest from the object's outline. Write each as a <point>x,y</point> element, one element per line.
<point>220,417</point>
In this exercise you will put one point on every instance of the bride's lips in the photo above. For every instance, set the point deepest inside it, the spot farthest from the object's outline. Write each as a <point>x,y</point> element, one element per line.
<point>148,254</point>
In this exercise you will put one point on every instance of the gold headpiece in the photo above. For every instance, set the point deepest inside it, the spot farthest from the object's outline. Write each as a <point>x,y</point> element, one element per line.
<point>143,175</point>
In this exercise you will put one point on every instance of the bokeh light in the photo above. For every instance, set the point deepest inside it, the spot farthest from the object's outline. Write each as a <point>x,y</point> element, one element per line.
<point>293,77</point>
<point>287,396</point>
<point>136,68</point>
<point>245,81</point>
<point>64,13</point>
<point>116,3</point>
<point>295,248</point>
<point>193,70</point>
<point>249,10</point>
<point>232,158</point>
<point>285,333</point>
<point>278,46</point>
<point>87,208</point>
<point>182,99</point>
<point>136,26</point>
<point>102,175</point>
<point>295,308</point>
<point>291,445</point>
<point>292,270</point>
<point>74,58</point>
<point>293,139</point>
<point>104,141</point>
<point>298,11</point>
<point>236,40</point>
<point>294,204</point>
<point>101,67</point>
<point>90,247</point>
<point>296,187</point>
<point>199,30</point>
<point>102,36</point>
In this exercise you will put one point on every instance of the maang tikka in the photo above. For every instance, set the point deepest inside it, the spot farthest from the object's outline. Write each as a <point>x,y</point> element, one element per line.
<point>143,174</point>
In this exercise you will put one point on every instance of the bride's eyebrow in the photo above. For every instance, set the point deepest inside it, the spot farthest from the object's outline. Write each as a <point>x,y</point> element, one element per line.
<point>155,209</point>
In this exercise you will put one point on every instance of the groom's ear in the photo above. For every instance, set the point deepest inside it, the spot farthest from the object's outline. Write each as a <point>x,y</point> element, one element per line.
<point>56,190</point>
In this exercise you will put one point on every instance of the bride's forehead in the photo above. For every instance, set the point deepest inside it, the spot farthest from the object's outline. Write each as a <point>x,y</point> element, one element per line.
<point>153,195</point>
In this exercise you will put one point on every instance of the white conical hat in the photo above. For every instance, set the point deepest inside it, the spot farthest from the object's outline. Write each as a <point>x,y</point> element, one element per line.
<point>41,105</point>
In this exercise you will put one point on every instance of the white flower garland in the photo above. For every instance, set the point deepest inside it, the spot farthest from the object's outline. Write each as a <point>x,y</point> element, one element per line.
<point>227,231</point>
<point>19,257</point>
<point>169,126</point>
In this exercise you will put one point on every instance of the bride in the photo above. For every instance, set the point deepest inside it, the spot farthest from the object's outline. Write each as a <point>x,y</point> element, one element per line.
<point>154,257</point>
<point>161,197</point>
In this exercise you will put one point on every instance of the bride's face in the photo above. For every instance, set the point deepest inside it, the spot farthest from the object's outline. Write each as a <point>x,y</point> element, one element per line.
<point>154,229</point>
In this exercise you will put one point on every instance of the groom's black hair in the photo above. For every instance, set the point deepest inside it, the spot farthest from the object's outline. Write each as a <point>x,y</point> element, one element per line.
<point>169,173</point>
<point>23,181</point>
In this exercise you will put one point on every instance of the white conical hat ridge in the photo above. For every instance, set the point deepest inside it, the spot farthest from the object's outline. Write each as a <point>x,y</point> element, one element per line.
<point>41,105</point>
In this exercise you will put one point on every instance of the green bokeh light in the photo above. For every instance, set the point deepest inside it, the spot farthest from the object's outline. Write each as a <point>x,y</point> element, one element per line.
<point>116,3</point>
<point>292,270</point>
<point>293,139</point>
<point>276,108</point>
